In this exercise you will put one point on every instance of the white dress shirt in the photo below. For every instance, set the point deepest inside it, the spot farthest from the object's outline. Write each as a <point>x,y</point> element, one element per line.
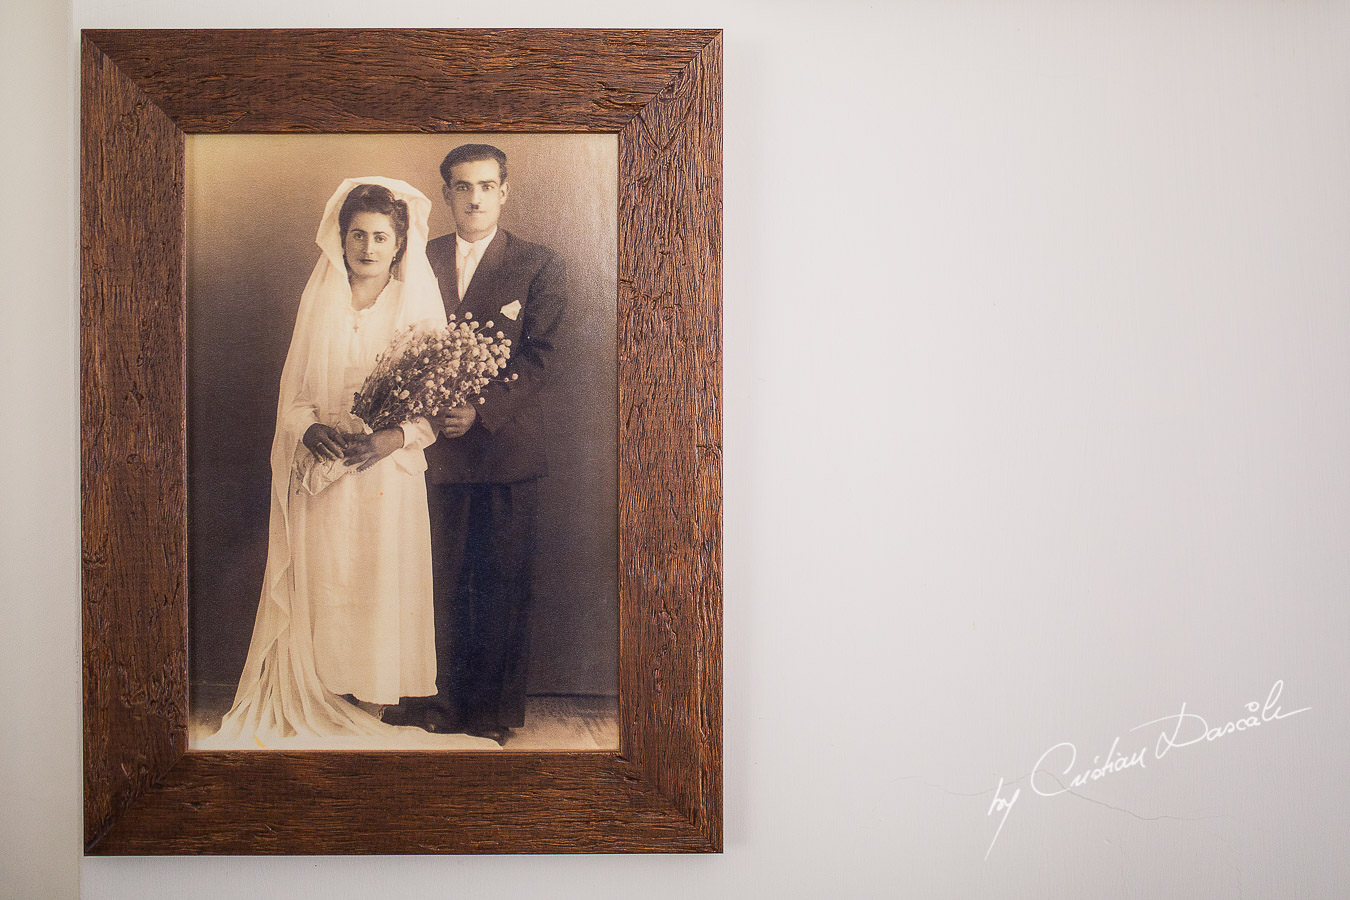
<point>467,257</point>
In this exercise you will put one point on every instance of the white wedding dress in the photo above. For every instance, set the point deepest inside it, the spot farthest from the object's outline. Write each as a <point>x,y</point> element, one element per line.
<point>361,545</point>
<point>346,605</point>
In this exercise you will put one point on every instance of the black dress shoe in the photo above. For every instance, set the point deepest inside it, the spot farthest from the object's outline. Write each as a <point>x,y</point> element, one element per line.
<point>491,732</point>
<point>404,715</point>
<point>438,721</point>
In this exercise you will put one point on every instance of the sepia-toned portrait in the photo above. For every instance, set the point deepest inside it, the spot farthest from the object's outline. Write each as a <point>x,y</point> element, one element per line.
<point>402,441</point>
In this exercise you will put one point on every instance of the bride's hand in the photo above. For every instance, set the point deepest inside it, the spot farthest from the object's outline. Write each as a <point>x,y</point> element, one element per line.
<point>324,442</point>
<point>369,449</point>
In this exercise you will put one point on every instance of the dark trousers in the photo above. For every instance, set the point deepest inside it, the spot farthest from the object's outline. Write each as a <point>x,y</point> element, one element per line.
<point>482,552</point>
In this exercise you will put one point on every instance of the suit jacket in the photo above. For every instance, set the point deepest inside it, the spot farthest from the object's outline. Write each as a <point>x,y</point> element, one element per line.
<point>505,443</point>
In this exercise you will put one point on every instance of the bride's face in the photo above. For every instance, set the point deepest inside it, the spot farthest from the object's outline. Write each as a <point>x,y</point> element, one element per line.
<point>370,244</point>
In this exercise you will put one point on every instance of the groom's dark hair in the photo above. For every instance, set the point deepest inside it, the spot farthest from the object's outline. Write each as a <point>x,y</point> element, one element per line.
<point>473,153</point>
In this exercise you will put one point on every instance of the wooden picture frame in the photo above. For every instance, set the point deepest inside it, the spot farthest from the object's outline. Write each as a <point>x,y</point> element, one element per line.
<point>141,92</point>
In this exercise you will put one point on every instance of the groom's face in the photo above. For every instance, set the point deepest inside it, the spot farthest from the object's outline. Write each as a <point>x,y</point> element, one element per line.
<point>476,195</point>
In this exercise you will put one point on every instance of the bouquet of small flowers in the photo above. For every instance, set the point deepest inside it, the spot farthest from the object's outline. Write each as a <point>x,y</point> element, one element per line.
<point>427,372</point>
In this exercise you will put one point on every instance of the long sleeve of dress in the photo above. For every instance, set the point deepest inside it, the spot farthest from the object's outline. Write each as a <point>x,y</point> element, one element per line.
<point>417,436</point>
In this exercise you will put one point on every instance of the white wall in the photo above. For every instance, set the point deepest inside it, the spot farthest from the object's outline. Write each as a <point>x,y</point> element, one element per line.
<point>1037,356</point>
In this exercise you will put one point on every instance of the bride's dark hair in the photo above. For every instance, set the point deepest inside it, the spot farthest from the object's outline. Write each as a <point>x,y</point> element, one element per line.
<point>376,198</point>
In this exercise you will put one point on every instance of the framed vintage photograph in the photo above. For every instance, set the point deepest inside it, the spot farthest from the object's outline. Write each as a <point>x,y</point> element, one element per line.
<point>481,615</point>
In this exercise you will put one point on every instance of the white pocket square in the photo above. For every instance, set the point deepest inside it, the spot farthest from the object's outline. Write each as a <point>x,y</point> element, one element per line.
<point>511,310</point>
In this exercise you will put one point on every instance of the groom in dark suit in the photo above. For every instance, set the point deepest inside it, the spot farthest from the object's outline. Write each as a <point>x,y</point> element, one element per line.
<point>483,470</point>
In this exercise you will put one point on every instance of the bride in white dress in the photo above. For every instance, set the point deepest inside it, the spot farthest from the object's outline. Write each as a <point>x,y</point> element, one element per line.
<point>346,606</point>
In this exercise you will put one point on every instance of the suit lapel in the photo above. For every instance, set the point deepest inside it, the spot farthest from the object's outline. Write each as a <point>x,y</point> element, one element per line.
<point>448,279</point>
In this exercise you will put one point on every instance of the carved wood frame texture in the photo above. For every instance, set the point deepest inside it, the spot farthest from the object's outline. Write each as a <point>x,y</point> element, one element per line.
<point>661,93</point>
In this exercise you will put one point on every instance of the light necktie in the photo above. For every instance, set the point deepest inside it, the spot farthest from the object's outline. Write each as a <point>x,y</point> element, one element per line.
<point>467,263</point>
